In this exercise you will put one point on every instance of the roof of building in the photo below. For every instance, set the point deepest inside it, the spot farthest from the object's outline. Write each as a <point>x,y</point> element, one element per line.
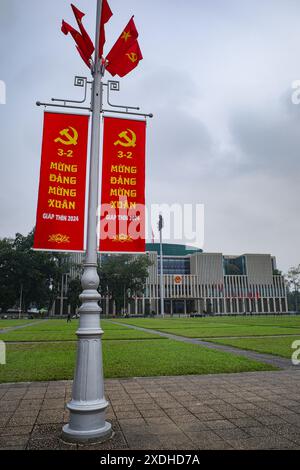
<point>172,249</point>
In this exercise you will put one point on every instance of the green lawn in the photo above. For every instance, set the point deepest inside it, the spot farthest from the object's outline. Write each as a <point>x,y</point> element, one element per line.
<point>60,330</point>
<point>55,361</point>
<point>219,327</point>
<point>11,323</point>
<point>46,350</point>
<point>276,346</point>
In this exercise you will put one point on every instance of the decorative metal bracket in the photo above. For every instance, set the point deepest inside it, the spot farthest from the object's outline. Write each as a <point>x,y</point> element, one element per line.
<point>113,85</point>
<point>79,82</point>
<point>83,82</point>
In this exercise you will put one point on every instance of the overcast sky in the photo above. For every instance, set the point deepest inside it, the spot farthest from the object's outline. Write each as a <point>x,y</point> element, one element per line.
<point>217,75</point>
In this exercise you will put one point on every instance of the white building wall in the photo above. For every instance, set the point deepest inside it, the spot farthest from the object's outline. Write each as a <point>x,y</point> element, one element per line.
<point>259,269</point>
<point>208,267</point>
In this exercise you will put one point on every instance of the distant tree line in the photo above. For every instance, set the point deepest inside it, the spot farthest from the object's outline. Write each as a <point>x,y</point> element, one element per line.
<point>122,277</point>
<point>33,277</point>
<point>293,282</point>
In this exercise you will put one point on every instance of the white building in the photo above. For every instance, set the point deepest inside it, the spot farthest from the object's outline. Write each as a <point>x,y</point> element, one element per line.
<point>197,282</point>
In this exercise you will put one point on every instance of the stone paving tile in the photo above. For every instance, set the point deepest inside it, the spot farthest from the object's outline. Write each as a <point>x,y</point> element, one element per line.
<point>143,441</point>
<point>122,408</point>
<point>179,411</point>
<point>208,416</point>
<point>199,408</point>
<point>260,431</point>
<point>136,423</point>
<point>262,443</point>
<point>49,430</point>
<point>285,429</point>
<point>163,429</point>
<point>18,420</point>
<point>177,441</point>
<point>159,420</point>
<point>244,411</point>
<point>293,419</point>
<point>231,414</point>
<point>128,414</point>
<point>16,431</point>
<point>46,443</point>
<point>231,434</point>
<point>27,404</point>
<point>52,404</point>
<point>158,413</point>
<point>147,406</point>
<point>245,406</point>
<point>118,442</point>
<point>220,424</point>
<point>245,422</point>
<point>257,412</point>
<point>270,420</point>
<point>50,416</point>
<point>8,406</point>
<point>13,441</point>
<point>201,437</point>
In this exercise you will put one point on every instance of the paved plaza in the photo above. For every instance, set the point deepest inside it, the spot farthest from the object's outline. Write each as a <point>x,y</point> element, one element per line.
<point>255,410</point>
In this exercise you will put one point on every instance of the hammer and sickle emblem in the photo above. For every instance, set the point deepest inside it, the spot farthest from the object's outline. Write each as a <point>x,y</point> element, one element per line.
<point>70,139</point>
<point>132,56</point>
<point>128,141</point>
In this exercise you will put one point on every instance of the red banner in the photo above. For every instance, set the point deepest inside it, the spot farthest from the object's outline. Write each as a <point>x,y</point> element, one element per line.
<point>61,201</point>
<point>122,221</point>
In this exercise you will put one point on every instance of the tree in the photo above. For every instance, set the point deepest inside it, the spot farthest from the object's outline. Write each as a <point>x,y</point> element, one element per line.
<point>74,290</point>
<point>293,279</point>
<point>123,277</point>
<point>8,293</point>
<point>36,273</point>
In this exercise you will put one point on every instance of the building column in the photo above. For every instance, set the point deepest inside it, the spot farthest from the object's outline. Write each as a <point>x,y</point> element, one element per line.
<point>135,305</point>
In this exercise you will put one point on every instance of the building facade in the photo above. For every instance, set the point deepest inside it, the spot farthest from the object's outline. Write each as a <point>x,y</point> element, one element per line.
<point>197,282</point>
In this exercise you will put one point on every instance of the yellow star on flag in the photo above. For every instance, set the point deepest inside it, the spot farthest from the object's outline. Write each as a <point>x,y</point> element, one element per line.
<point>126,35</point>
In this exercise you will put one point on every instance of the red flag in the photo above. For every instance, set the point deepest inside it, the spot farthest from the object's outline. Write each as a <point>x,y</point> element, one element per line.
<point>87,62</point>
<point>81,46</point>
<point>87,40</point>
<point>105,17</point>
<point>125,41</point>
<point>127,62</point>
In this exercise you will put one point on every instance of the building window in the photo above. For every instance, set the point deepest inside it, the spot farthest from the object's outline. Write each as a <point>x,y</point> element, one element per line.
<point>234,266</point>
<point>175,265</point>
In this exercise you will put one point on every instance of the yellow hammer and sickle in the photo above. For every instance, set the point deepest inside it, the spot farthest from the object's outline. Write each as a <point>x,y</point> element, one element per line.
<point>127,140</point>
<point>132,56</point>
<point>70,139</point>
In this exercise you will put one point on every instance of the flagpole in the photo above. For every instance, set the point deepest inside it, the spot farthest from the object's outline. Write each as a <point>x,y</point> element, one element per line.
<point>161,277</point>
<point>88,404</point>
